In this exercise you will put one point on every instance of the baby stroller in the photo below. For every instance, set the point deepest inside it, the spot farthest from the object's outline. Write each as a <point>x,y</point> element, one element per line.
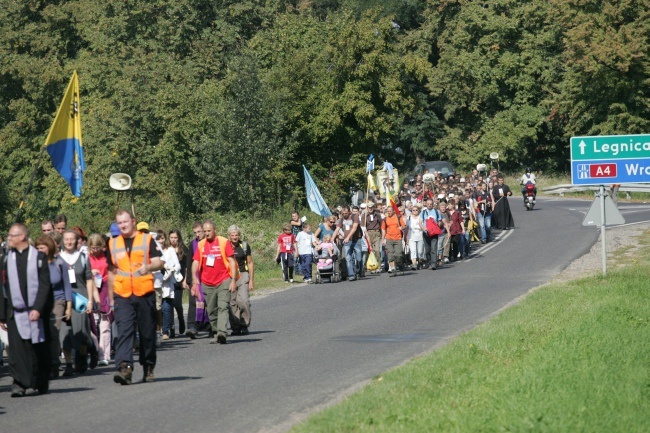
<point>330,271</point>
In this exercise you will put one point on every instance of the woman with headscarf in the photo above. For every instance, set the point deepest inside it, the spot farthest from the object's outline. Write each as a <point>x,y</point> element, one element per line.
<point>77,333</point>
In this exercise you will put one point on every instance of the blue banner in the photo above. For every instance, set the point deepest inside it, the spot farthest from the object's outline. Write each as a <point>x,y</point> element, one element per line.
<point>315,200</point>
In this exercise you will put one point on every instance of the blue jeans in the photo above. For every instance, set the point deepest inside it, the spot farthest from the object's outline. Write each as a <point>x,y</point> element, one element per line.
<point>305,264</point>
<point>352,252</point>
<point>484,223</point>
<point>464,244</point>
<point>168,315</point>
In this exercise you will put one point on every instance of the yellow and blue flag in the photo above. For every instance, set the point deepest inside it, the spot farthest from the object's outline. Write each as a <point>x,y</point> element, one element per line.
<point>315,200</point>
<point>63,143</point>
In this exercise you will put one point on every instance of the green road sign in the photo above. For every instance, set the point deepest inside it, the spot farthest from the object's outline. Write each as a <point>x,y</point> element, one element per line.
<point>608,147</point>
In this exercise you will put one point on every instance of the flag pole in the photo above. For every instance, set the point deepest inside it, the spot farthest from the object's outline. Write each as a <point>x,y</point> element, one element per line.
<point>29,185</point>
<point>370,165</point>
<point>365,215</point>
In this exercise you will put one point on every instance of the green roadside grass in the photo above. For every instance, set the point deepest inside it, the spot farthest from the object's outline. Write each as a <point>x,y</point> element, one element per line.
<point>571,357</point>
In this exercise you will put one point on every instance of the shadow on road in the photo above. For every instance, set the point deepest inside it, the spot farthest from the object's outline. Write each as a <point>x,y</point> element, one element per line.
<point>243,340</point>
<point>67,390</point>
<point>177,378</point>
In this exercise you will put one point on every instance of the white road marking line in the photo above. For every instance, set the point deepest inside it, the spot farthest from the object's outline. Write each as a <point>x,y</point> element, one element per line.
<point>502,237</point>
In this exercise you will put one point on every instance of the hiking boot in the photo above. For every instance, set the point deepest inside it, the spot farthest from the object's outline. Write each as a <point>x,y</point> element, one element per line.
<point>148,374</point>
<point>124,374</point>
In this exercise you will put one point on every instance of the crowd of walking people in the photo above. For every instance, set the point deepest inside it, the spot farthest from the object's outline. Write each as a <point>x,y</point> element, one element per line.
<point>90,300</point>
<point>431,221</point>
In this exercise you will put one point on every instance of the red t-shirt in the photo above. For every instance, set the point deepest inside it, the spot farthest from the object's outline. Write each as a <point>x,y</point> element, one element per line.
<point>213,270</point>
<point>286,242</point>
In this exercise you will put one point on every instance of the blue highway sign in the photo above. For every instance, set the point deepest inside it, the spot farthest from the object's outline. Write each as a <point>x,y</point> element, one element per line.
<point>609,159</point>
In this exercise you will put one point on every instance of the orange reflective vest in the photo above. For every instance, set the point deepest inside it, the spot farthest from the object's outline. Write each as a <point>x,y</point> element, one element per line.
<point>127,280</point>
<point>222,247</point>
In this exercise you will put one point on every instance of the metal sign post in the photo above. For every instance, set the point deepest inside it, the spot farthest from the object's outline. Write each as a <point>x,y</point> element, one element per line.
<point>603,212</point>
<point>602,228</point>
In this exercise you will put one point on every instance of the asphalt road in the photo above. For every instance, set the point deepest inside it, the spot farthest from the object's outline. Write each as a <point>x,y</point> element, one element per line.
<point>313,343</point>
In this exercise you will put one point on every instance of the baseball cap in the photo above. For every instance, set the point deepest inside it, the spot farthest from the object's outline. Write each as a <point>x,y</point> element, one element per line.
<point>114,229</point>
<point>142,226</point>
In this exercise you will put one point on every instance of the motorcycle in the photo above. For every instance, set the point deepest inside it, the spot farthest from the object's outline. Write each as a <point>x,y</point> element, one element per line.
<point>529,196</point>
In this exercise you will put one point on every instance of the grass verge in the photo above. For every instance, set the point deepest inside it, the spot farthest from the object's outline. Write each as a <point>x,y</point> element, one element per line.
<point>570,357</point>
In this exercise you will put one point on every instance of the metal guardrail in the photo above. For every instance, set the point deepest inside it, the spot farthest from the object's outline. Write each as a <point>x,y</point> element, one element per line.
<point>564,188</point>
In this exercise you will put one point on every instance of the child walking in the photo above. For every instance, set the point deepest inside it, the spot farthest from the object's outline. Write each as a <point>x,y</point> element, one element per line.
<point>285,252</point>
<point>306,242</point>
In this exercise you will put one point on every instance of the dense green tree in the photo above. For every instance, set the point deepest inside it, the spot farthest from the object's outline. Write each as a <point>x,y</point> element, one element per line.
<point>214,106</point>
<point>494,68</point>
<point>605,88</point>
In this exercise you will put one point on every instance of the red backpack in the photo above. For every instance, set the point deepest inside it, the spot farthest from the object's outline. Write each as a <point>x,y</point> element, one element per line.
<point>433,229</point>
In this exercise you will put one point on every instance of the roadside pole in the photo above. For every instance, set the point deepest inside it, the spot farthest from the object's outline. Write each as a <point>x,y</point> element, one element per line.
<point>602,228</point>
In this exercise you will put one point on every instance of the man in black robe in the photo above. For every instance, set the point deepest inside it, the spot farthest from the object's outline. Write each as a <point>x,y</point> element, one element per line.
<point>501,215</point>
<point>25,307</point>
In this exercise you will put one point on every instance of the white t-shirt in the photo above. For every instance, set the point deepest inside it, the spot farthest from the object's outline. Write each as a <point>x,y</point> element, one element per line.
<point>305,242</point>
<point>415,230</point>
<point>528,178</point>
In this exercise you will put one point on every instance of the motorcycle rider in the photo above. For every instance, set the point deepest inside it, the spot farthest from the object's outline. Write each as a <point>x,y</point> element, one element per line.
<point>529,176</point>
